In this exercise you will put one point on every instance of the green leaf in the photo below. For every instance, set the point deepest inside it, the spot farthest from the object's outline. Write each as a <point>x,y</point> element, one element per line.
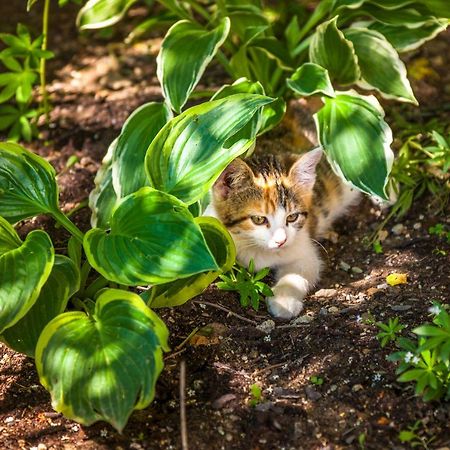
<point>189,153</point>
<point>356,140</point>
<point>63,282</point>
<point>244,86</point>
<point>97,14</point>
<point>153,240</point>
<point>180,291</point>
<point>103,366</point>
<point>405,39</point>
<point>103,198</point>
<point>381,67</point>
<point>24,268</point>
<point>310,79</point>
<point>185,52</point>
<point>27,184</point>
<point>30,4</point>
<point>411,375</point>
<point>139,130</point>
<point>248,24</point>
<point>441,8</point>
<point>430,330</point>
<point>330,49</point>
<point>9,240</point>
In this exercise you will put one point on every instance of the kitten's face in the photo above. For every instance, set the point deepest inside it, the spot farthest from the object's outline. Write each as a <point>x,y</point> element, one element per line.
<point>265,201</point>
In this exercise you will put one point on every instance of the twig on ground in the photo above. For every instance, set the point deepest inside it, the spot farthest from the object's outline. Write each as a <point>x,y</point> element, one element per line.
<point>172,355</point>
<point>185,341</point>
<point>183,425</point>
<point>214,305</point>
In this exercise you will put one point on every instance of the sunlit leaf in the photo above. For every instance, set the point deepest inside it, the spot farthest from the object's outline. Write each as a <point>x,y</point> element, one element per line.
<point>185,52</point>
<point>310,79</point>
<point>24,268</point>
<point>27,184</point>
<point>190,152</point>
<point>330,49</point>
<point>102,13</point>
<point>357,140</point>
<point>102,366</point>
<point>381,67</point>
<point>61,284</point>
<point>139,130</point>
<point>153,239</point>
<point>180,291</point>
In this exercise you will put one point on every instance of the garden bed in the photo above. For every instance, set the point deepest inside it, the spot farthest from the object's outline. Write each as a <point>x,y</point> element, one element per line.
<point>354,401</point>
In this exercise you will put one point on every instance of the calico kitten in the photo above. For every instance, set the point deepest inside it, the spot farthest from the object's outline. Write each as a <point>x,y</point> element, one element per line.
<point>275,206</point>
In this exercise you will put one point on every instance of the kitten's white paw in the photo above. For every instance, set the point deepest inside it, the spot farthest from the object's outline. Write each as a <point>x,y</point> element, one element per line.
<point>284,306</point>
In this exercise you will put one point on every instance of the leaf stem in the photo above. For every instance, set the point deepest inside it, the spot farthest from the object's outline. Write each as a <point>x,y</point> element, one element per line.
<point>44,93</point>
<point>68,225</point>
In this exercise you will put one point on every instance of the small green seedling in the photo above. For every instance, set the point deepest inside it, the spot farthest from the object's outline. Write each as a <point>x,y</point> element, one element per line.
<point>255,394</point>
<point>377,247</point>
<point>426,360</point>
<point>413,438</point>
<point>389,331</point>
<point>362,440</point>
<point>247,283</point>
<point>315,379</point>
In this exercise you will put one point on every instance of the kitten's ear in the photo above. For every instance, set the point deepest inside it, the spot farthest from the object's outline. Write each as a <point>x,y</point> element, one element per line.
<point>303,172</point>
<point>234,176</point>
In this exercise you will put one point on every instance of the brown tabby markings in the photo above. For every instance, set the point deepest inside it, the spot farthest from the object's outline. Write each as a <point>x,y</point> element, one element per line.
<point>261,184</point>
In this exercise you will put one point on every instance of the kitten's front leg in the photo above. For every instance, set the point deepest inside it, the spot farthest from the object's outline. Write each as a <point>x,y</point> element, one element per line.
<point>293,285</point>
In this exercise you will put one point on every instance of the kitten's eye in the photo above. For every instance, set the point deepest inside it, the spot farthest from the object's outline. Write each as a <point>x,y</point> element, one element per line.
<point>259,220</point>
<point>292,217</point>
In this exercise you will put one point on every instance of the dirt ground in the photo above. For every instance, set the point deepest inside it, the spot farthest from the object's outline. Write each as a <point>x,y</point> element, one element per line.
<point>94,86</point>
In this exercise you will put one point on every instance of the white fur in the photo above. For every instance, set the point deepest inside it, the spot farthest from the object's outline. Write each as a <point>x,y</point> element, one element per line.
<point>296,262</point>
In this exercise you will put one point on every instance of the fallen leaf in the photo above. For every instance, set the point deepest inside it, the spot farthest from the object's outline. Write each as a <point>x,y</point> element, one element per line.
<point>396,278</point>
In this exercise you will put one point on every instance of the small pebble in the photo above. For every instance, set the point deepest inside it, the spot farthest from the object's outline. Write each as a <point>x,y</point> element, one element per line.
<point>417,226</point>
<point>356,269</point>
<point>325,293</point>
<point>323,312</point>
<point>9,419</point>
<point>400,307</point>
<point>303,319</point>
<point>398,229</point>
<point>333,309</point>
<point>357,388</point>
<point>223,400</point>
<point>312,394</point>
<point>267,326</point>
<point>344,266</point>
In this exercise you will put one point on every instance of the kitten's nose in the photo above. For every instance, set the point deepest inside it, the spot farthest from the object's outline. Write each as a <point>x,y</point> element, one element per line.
<point>279,238</point>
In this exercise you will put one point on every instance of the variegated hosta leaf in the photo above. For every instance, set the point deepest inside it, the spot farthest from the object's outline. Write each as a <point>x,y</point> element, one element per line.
<point>63,282</point>
<point>103,198</point>
<point>102,13</point>
<point>356,140</point>
<point>330,49</point>
<point>411,16</point>
<point>405,39</point>
<point>102,366</point>
<point>185,52</point>
<point>264,119</point>
<point>190,152</point>
<point>128,173</point>
<point>180,291</point>
<point>153,239</point>
<point>381,67</point>
<point>310,79</point>
<point>24,268</point>
<point>27,184</point>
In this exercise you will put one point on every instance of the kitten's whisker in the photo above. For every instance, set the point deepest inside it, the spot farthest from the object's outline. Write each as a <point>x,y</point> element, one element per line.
<point>317,242</point>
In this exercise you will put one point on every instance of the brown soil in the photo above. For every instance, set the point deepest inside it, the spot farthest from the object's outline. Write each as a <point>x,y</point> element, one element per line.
<point>95,85</point>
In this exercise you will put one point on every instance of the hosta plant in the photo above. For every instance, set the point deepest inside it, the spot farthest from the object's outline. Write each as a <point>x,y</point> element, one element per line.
<point>288,50</point>
<point>100,355</point>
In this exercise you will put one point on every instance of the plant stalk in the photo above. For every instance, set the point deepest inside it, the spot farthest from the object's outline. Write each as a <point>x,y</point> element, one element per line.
<point>42,63</point>
<point>69,225</point>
